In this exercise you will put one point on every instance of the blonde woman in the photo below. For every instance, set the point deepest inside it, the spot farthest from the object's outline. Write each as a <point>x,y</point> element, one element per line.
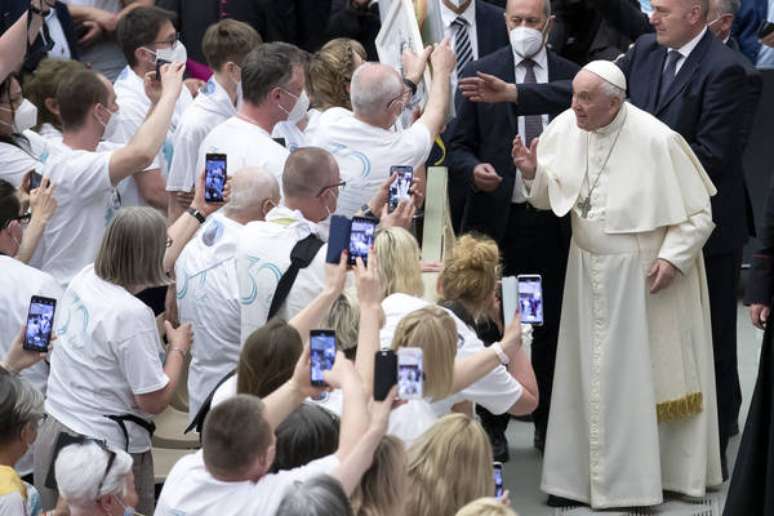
<point>456,443</point>
<point>384,487</point>
<point>107,378</point>
<point>486,507</point>
<point>487,376</point>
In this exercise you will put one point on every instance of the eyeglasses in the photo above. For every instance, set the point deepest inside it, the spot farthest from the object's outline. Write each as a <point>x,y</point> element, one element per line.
<point>171,41</point>
<point>24,218</point>
<point>404,94</point>
<point>338,186</point>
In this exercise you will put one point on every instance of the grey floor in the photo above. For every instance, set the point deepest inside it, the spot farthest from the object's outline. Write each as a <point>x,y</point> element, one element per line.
<point>522,473</point>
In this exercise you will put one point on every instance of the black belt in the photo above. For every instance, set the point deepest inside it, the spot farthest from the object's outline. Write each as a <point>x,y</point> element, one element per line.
<point>148,426</point>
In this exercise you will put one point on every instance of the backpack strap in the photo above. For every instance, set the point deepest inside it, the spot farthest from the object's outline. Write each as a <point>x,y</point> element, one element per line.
<point>300,257</point>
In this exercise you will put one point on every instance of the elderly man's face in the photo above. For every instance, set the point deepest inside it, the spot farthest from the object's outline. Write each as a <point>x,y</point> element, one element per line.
<point>676,21</point>
<point>592,106</point>
<point>525,13</point>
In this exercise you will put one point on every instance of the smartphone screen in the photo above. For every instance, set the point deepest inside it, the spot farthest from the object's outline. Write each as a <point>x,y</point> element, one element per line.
<point>159,64</point>
<point>530,298</point>
<point>400,188</point>
<point>280,141</point>
<point>40,319</point>
<point>385,373</point>
<point>323,354</point>
<point>214,177</point>
<point>765,29</point>
<point>410,373</point>
<point>35,180</point>
<point>497,473</point>
<point>361,238</point>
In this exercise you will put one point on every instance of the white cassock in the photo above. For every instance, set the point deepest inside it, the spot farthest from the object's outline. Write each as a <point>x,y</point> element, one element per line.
<point>634,408</point>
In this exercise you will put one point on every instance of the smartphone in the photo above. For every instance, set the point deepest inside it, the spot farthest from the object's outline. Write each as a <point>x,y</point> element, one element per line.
<point>35,180</point>
<point>497,473</point>
<point>323,354</point>
<point>530,287</point>
<point>159,64</point>
<point>385,373</point>
<point>215,176</point>
<point>361,238</point>
<point>400,188</point>
<point>410,373</point>
<point>280,141</point>
<point>40,320</point>
<point>765,29</point>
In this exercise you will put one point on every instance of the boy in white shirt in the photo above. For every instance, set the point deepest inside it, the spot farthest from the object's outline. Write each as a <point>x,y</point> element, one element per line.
<point>225,46</point>
<point>145,35</point>
<point>229,475</point>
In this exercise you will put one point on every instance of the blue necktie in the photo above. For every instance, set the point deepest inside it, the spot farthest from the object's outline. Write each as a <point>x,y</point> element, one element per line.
<point>462,46</point>
<point>670,70</point>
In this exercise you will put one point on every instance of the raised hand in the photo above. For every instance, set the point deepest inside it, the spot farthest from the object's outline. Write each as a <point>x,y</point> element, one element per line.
<point>487,88</point>
<point>525,159</point>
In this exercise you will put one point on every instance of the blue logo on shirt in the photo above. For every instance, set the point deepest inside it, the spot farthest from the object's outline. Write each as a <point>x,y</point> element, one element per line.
<point>209,87</point>
<point>213,233</point>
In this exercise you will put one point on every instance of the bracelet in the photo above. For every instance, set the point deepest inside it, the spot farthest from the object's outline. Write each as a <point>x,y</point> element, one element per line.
<point>196,214</point>
<point>498,349</point>
<point>183,353</point>
<point>411,85</point>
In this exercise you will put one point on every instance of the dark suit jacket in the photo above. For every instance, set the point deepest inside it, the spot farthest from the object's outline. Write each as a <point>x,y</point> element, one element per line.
<point>703,104</point>
<point>491,31</point>
<point>761,280</point>
<point>38,50</point>
<point>483,133</point>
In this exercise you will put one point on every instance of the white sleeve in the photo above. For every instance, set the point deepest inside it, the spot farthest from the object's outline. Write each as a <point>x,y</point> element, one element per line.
<point>182,171</point>
<point>322,466</point>
<point>416,142</point>
<point>138,358</point>
<point>86,175</point>
<point>12,504</point>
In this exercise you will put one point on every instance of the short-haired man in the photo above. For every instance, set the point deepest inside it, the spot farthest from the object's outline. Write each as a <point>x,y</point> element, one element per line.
<point>363,143</point>
<point>207,287</point>
<point>272,91</point>
<point>225,46</point>
<point>85,175</point>
<point>229,476</point>
<point>146,34</point>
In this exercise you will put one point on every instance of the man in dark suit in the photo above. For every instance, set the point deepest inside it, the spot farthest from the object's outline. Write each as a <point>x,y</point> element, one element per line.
<point>688,79</point>
<point>48,39</point>
<point>531,241</point>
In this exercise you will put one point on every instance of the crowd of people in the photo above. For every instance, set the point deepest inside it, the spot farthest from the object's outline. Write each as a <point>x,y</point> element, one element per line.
<point>171,176</point>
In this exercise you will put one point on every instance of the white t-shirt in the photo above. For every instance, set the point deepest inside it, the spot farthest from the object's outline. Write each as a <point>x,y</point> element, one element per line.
<point>263,256</point>
<point>191,490</point>
<point>293,136</point>
<point>227,389</point>
<point>210,108</point>
<point>29,155</point>
<point>18,283</point>
<point>133,105</point>
<point>86,204</point>
<point>365,153</point>
<point>108,352</point>
<point>49,132</point>
<point>208,297</point>
<point>245,145</point>
<point>497,391</point>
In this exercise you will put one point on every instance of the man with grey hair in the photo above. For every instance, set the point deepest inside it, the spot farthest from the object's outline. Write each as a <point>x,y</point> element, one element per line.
<point>634,380</point>
<point>207,287</point>
<point>363,142</point>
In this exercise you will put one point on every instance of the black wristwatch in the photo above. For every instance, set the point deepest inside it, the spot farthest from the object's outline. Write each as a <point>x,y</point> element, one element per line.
<point>196,214</point>
<point>410,84</point>
<point>36,10</point>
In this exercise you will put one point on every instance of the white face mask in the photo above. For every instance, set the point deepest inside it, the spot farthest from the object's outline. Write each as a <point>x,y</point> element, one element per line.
<point>176,54</point>
<point>526,42</point>
<point>110,126</point>
<point>25,117</point>
<point>299,108</point>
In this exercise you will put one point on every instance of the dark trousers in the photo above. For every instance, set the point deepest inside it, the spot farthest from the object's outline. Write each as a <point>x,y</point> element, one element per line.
<point>722,282</point>
<point>537,242</point>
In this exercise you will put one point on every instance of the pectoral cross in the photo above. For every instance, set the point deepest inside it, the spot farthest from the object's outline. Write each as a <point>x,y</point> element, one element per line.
<point>585,207</point>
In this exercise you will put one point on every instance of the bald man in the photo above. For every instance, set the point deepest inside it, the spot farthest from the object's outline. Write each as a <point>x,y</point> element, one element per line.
<point>634,411</point>
<point>207,288</point>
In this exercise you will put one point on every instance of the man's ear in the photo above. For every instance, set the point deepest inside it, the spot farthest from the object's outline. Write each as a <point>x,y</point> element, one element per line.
<point>52,105</point>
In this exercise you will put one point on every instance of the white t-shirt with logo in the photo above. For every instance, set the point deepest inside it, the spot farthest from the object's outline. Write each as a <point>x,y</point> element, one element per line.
<point>87,203</point>
<point>245,145</point>
<point>209,109</point>
<point>133,107</point>
<point>208,297</point>
<point>190,489</point>
<point>31,154</point>
<point>108,352</point>
<point>365,153</point>
<point>263,256</point>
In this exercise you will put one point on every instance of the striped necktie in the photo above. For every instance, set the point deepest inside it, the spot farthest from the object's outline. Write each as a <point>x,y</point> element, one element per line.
<point>462,46</point>
<point>533,124</point>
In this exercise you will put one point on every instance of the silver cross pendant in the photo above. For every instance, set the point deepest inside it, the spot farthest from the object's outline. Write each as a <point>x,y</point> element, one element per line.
<point>585,207</point>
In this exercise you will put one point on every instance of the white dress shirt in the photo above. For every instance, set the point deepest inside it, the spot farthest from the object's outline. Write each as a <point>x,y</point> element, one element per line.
<point>541,75</point>
<point>449,31</point>
<point>686,50</point>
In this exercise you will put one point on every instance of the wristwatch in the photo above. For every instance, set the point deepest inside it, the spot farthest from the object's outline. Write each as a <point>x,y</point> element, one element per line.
<point>196,214</point>
<point>411,85</point>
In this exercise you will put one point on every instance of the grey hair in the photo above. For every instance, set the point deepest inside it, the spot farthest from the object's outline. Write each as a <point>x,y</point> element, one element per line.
<point>250,187</point>
<point>372,87</point>
<point>20,405</point>
<point>546,8</point>
<point>132,251</point>
<point>319,496</point>
<point>80,468</point>
<point>611,90</point>
<point>727,7</point>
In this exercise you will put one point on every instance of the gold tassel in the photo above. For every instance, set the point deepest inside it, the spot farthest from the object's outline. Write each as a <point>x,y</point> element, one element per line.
<point>689,405</point>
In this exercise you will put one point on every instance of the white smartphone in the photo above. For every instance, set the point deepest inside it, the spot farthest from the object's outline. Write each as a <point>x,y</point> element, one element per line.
<point>510,297</point>
<point>410,373</point>
<point>530,288</point>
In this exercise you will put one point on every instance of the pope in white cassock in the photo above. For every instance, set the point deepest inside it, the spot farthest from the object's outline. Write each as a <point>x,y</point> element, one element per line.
<point>634,408</point>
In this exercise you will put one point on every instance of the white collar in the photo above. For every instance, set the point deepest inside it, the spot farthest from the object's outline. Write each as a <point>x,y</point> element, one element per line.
<point>214,97</point>
<point>540,59</point>
<point>686,49</point>
<point>448,16</point>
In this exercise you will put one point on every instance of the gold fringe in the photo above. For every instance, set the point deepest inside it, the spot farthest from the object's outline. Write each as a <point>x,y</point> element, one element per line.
<point>690,405</point>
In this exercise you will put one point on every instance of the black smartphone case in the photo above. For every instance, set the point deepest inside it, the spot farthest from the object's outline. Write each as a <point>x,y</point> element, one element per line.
<point>385,373</point>
<point>338,238</point>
